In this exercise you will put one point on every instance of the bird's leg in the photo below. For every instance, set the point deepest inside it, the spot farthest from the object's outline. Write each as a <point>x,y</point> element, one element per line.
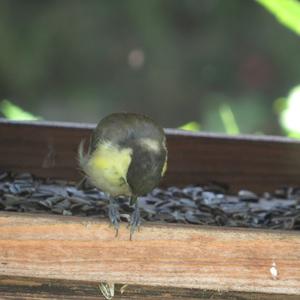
<point>113,213</point>
<point>135,218</point>
<point>81,183</point>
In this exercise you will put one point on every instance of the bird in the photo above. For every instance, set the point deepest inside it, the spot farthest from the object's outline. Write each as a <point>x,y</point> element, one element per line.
<point>127,156</point>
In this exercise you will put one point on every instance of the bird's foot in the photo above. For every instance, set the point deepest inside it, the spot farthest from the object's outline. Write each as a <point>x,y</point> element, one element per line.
<point>114,215</point>
<point>135,221</point>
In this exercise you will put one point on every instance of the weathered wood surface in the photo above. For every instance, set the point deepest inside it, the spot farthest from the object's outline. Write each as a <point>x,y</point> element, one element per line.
<point>257,163</point>
<point>84,249</point>
<point>39,289</point>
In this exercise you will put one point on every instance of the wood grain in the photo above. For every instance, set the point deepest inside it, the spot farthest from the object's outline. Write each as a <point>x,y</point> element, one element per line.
<point>84,249</point>
<point>258,163</point>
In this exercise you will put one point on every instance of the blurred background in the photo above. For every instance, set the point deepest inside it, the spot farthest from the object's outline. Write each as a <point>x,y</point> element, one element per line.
<point>210,65</point>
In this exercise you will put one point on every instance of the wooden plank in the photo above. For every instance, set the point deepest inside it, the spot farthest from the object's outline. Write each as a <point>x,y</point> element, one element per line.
<point>213,258</point>
<point>257,163</point>
<point>29,289</point>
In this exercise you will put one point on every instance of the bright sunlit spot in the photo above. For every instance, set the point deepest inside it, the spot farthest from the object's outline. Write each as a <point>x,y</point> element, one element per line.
<point>289,118</point>
<point>136,58</point>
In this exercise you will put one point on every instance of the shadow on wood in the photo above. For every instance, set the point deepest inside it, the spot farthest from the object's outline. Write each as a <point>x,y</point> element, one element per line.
<point>35,289</point>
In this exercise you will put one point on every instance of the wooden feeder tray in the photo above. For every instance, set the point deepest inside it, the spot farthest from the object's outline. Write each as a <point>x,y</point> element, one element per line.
<point>46,256</point>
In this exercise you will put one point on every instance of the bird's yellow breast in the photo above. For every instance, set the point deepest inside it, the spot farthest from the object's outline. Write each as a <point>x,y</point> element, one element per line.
<point>107,168</point>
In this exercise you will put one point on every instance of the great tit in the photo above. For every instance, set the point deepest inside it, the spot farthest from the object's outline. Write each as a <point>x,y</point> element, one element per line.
<point>127,156</point>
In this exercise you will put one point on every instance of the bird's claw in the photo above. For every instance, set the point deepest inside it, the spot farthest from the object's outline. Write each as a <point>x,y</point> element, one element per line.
<point>114,216</point>
<point>135,221</point>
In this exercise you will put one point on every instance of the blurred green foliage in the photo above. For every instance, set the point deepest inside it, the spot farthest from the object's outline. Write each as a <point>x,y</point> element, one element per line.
<point>288,109</point>
<point>191,126</point>
<point>286,11</point>
<point>228,119</point>
<point>14,112</point>
<point>174,60</point>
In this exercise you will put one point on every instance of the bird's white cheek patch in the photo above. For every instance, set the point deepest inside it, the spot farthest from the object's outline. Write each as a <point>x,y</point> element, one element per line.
<point>150,144</point>
<point>164,169</point>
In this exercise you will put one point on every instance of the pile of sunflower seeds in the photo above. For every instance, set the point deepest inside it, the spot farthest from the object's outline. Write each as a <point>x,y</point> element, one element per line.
<point>209,205</point>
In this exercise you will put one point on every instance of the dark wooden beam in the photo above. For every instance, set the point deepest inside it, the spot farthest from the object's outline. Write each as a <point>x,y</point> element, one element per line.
<point>258,163</point>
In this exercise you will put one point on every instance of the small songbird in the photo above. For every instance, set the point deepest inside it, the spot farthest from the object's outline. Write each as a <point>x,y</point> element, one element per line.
<point>127,156</point>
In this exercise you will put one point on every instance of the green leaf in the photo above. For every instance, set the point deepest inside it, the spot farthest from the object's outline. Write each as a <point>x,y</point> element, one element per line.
<point>14,112</point>
<point>228,119</point>
<point>294,135</point>
<point>191,126</point>
<point>287,12</point>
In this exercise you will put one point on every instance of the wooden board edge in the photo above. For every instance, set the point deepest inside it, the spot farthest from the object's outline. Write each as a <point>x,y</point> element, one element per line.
<point>169,131</point>
<point>224,259</point>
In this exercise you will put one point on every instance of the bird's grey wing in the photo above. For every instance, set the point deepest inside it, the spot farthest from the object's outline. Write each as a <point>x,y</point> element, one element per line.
<point>95,139</point>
